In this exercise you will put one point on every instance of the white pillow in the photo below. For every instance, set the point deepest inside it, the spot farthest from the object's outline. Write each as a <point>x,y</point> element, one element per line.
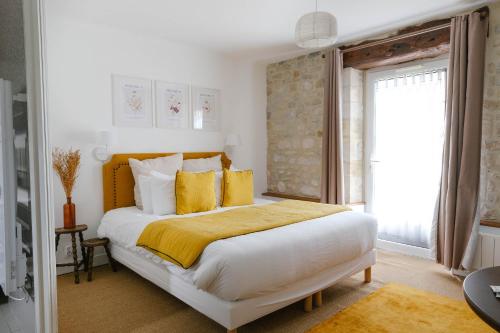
<point>145,190</point>
<point>163,193</point>
<point>166,165</point>
<point>203,164</point>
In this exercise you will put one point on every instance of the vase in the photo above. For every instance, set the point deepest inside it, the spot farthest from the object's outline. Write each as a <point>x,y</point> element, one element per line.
<point>69,214</point>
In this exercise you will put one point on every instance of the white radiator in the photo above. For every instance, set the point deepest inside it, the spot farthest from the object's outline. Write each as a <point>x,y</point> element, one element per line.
<point>488,248</point>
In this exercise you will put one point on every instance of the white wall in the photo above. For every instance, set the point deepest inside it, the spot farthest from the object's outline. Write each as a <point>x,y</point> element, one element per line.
<point>246,107</point>
<point>81,58</point>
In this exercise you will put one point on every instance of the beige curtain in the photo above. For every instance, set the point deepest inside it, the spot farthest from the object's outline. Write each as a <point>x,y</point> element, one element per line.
<point>462,148</point>
<point>332,180</point>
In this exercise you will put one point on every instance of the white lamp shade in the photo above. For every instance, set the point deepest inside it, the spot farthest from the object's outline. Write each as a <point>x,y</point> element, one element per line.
<point>316,30</point>
<point>233,140</point>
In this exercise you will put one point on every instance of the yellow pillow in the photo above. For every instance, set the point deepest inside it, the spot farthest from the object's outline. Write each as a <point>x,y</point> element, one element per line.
<point>194,192</point>
<point>237,188</point>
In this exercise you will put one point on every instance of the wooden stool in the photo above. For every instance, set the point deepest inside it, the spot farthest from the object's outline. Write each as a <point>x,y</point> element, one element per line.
<point>78,229</point>
<point>91,244</point>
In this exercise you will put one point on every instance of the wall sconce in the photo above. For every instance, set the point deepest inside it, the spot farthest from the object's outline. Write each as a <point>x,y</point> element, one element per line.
<point>104,140</point>
<point>232,140</point>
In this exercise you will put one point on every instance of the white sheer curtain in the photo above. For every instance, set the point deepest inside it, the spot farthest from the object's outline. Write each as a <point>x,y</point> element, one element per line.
<point>409,126</point>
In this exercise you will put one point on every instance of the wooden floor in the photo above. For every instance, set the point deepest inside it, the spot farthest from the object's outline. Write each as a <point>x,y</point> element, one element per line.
<point>125,302</point>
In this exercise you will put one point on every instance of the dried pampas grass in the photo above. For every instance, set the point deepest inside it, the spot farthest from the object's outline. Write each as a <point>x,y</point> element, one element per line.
<point>66,164</point>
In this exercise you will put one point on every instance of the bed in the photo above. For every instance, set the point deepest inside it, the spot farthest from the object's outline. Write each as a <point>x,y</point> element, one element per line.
<point>243,278</point>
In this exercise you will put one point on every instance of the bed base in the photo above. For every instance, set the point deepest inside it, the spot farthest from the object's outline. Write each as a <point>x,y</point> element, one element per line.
<point>233,314</point>
<point>317,298</point>
<point>368,275</point>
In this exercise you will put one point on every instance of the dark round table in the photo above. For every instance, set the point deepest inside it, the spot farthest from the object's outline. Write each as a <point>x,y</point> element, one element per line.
<point>481,298</point>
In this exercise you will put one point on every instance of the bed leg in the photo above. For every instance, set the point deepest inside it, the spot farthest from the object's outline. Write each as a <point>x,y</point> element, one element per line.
<point>368,275</point>
<point>308,304</point>
<point>318,299</point>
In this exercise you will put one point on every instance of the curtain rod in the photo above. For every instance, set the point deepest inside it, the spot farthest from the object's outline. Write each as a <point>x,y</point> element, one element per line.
<point>396,38</point>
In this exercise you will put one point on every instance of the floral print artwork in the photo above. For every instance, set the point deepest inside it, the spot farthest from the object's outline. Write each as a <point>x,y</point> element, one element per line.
<point>207,102</point>
<point>172,105</point>
<point>205,109</point>
<point>134,101</point>
<point>174,101</point>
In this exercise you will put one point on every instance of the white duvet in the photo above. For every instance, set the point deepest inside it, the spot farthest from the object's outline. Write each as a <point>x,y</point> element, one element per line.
<point>258,263</point>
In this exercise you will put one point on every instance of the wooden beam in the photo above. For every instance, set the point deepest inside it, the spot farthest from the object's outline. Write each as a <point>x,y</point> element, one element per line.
<point>427,40</point>
<point>290,196</point>
<point>426,45</point>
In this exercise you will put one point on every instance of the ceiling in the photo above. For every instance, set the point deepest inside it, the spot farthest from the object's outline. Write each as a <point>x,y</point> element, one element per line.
<point>256,28</point>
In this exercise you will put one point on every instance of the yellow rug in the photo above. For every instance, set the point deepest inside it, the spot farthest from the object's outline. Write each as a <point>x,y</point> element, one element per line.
<point>398,308</point>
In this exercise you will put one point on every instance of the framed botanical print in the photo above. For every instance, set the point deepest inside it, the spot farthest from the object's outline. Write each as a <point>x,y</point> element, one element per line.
<point>132,102</point>
<point>205,108</point>
<point>172,105</point>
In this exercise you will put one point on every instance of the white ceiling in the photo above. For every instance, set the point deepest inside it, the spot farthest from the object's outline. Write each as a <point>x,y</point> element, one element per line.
<point>258,28</point>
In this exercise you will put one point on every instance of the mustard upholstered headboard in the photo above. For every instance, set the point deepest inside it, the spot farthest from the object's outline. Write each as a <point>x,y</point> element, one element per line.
<point>118,181</point>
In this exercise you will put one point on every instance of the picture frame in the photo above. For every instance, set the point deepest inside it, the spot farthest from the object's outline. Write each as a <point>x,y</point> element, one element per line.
<point>172,105</point>
<point>205,110</point>
<point>132,101</point>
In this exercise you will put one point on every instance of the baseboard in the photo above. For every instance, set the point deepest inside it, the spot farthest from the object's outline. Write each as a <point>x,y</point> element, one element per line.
<point>99,260</point>
<point>459,272</point>
<point>404,249</point>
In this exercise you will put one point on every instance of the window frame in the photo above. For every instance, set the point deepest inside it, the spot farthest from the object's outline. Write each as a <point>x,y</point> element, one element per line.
<point>372,76</point>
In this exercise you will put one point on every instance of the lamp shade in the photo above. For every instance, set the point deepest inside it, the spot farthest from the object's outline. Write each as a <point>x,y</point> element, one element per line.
<point>315,30</point>
<point>233,140</point>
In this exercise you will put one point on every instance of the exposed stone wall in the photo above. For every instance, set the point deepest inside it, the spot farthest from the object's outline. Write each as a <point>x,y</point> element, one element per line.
<point>295,99</point>
<point>490,173</point>
<point>353,134</point>
<point>295,106</point>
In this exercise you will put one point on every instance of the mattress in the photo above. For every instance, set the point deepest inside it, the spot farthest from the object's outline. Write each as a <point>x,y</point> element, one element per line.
<point>255,264</point>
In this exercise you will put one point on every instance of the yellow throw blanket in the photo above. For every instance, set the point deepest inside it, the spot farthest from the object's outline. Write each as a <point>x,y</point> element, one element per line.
<point>182,240</point>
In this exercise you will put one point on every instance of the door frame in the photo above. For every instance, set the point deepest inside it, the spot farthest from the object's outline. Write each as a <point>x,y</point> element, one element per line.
<point>369,139</point>
<point>9,185</point>
<point>44,260</point>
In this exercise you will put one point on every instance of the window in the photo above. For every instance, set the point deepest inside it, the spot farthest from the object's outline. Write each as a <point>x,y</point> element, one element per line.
<point>405,128</point>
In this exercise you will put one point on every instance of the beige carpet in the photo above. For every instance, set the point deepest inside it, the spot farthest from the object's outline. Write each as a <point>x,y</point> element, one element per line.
<point>125,302</point>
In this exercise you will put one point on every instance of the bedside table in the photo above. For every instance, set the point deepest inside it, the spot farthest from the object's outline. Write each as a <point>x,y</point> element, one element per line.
<point>78,229</point>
